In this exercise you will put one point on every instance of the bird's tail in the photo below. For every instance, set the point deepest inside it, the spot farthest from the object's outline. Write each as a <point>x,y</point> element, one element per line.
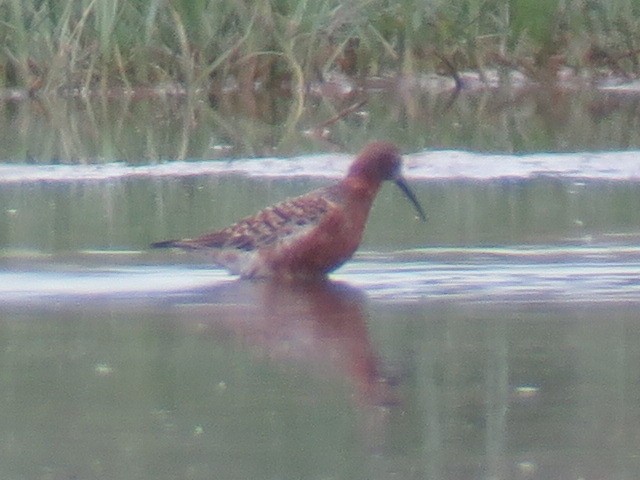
<point>175,244</point>
<point>165,244</point>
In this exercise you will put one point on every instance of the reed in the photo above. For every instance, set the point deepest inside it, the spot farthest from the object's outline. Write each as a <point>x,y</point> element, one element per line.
<point>81,45</point>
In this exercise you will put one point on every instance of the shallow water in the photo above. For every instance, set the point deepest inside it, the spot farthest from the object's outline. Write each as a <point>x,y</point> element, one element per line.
<point>567,275</point>
<point>506,366</point>
<point>498,340</point>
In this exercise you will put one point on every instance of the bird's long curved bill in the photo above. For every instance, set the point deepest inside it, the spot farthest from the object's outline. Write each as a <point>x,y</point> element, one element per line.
<point>412,198</point>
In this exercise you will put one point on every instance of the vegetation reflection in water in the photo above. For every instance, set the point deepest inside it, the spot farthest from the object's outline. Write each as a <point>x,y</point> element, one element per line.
<point>140,131</point>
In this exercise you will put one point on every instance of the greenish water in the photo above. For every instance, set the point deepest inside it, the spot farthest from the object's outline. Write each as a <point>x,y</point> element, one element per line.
<point>500,340</point>
<point>235,384</point>
<point>131,213</point>
<point>149,130</point>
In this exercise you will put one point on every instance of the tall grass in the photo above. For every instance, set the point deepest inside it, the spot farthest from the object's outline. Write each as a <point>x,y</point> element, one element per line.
<point>79,45</point>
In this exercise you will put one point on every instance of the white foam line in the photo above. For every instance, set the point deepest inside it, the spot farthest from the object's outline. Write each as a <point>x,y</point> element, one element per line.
<point>461,164</point>
<point>96,282</point>
<point>316,166</point>
<point>449,164</point>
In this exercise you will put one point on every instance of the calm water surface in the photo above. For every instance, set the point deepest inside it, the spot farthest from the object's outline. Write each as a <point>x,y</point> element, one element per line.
<point>118,372</point>
<point>501,340</point>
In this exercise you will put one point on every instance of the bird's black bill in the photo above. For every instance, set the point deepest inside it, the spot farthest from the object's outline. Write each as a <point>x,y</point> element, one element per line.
<point>412,198</point>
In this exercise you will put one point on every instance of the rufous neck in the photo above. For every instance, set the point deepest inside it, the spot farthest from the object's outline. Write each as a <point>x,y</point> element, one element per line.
<point>361,186</point>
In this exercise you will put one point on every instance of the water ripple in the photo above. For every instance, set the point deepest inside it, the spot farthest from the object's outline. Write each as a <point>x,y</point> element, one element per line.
<point>487,275</point>
<point>496,275</point>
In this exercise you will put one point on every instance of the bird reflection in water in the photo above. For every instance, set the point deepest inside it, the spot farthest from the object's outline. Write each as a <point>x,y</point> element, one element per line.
<point>321,325</point>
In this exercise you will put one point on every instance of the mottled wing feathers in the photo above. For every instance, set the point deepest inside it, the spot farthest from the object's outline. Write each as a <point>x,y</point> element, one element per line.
<point>310,235</point>
<point>276,223</point>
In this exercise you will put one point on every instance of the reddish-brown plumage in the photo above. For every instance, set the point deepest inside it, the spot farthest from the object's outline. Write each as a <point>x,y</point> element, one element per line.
<point>310,235</point>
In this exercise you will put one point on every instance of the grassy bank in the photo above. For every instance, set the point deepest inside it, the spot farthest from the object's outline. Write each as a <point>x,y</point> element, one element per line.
<point>55,46</point>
